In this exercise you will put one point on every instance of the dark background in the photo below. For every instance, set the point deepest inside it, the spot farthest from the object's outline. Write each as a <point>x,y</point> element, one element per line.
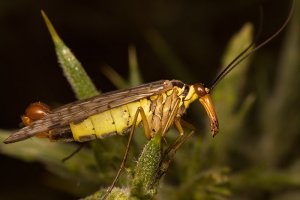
<point>99,32</point>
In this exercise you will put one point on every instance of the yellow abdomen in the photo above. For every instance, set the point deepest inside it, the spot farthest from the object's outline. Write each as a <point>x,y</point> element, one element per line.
<point>113,121</point>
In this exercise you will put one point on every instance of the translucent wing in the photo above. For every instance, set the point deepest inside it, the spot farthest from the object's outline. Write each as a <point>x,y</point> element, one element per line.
<point>80,110</point>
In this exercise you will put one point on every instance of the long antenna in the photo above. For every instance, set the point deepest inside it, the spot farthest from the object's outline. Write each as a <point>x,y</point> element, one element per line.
<point>243,55</point>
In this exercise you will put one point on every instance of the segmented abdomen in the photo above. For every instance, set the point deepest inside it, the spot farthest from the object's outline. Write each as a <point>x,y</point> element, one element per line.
<point>113,121</point>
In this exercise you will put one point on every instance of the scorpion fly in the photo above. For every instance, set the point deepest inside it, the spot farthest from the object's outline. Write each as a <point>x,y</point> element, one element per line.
<point>157,106</point>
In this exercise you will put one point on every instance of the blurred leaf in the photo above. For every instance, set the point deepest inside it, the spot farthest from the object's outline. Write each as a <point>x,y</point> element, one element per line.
<point>117,193</point>
<point>118,81</point>
<point>81,167</point>
<point>279,114</point>
<point>135,77</point>
<point>227,94</point>
<point>268,180</point>
<point>167,55</point>
<point>228,89</point>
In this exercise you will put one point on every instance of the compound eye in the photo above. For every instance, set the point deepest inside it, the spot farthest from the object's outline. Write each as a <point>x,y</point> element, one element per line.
<point>201,90</point>
<point>35,111</point>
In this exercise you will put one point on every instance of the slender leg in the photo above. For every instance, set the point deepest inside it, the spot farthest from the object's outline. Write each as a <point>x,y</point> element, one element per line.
<point>147,131</point>
<point>179,124</point>
<point>187,124</point>
<point>171,117</point>
<point>171,150</point>
<point>74,152</point>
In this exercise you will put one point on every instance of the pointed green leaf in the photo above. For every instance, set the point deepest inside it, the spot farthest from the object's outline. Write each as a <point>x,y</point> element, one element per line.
<point>80,82</point>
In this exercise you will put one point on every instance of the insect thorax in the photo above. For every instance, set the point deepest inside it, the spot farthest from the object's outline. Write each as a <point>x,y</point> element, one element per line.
<point>167,106</point>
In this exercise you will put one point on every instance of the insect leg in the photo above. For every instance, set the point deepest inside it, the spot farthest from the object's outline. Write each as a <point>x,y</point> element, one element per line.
<point>171,117</point>
<point>171,150</point>
<point>73,153</point>
<point>147,131</point>
<point>179,124</point>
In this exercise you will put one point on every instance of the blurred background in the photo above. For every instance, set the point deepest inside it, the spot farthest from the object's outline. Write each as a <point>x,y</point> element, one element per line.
<point>183,40</point>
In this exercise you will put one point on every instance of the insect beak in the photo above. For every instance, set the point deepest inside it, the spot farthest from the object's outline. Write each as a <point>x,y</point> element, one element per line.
<point>208,105</point>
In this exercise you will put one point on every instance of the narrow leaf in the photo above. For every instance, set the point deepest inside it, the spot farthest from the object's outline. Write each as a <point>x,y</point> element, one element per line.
<point>135,77</point>
<point>73,70</point>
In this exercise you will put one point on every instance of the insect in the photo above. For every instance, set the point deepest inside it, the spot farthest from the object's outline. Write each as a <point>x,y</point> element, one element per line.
<point>157,106</point>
